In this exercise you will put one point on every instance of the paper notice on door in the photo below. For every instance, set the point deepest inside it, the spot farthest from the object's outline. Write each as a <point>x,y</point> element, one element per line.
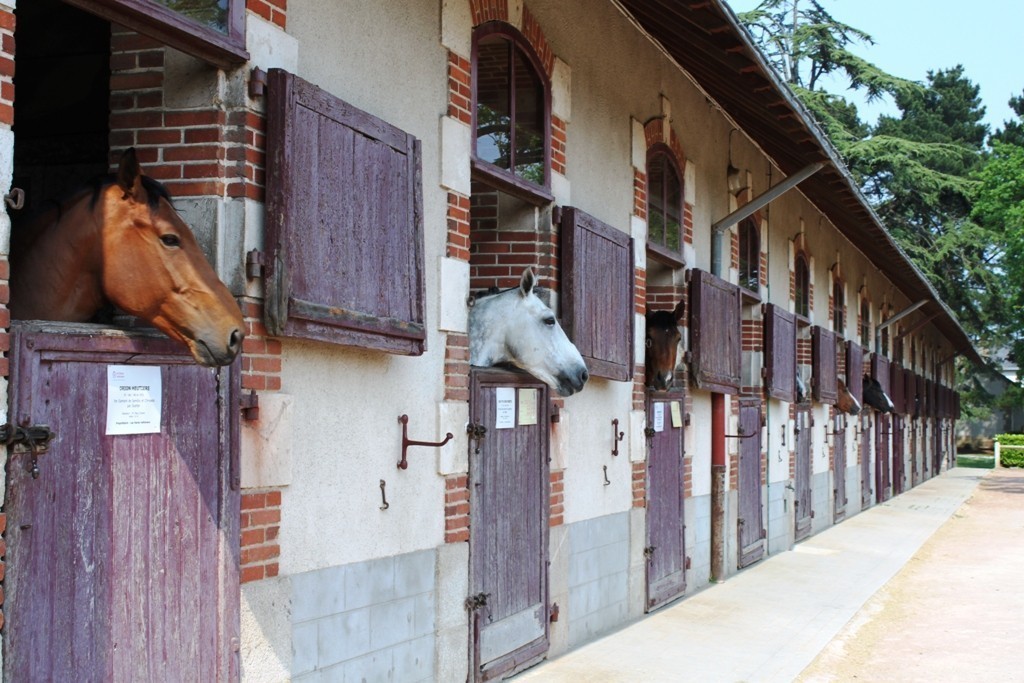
<point>527,407</point>
<point>659,417</point>
<point>677,415</point>
<point>134,399</point>
<point>505,408</point>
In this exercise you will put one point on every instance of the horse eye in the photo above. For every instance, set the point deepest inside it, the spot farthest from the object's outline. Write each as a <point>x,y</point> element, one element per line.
<point>170,240</point>
<point>549,321</point>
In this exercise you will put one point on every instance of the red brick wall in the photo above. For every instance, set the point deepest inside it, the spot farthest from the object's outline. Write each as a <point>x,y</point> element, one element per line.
<point>260,526</point>
<point>456,367</point>
<point>559,161</point>
<point>6,119</point>
<point>640,484</point>
<point>274,11</point>
<point>556,510</point>
<point>458,227</point>
<point>201,151</point>
<point>460,94</point>
<point>500,255</point>
<point>7,68</point>
<point>456,508</point>
<point>488,10</point>
<point>261,354</point>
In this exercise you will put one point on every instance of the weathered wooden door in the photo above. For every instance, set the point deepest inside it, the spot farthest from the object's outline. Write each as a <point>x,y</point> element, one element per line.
<point>508,543</point>
<point>839,469</point>
<point>882,491</point>
<point>751,531</point>
<point>898,473</point>
<point>122,556</point>
<point>865,459</point>
<point>803,511</point>
<point>665,549</point>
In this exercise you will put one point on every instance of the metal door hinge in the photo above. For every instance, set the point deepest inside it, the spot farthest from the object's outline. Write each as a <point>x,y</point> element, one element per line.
<point>254,264</point>
<point>475,602</point>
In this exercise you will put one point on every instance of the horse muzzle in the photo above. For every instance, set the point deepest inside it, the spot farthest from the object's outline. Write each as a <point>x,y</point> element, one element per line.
<point>571,382</point>
<point>214,354</point>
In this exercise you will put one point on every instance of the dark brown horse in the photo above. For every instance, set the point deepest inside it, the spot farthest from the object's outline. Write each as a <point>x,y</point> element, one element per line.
<point>662,346</point>
<point>846,401</point>
<point>121,242</point>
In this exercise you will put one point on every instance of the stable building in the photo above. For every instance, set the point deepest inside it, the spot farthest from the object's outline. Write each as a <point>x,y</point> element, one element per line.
<point>352,498</point>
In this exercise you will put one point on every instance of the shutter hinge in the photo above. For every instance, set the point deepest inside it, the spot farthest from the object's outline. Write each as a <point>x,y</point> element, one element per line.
<point>250,405</point>
<point>254,264</point>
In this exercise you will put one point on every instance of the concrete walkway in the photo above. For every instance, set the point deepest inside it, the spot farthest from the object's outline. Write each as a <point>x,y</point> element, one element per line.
<point>771,621</point>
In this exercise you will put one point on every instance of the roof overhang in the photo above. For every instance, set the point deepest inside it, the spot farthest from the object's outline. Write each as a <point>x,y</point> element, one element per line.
<point>707,41</point>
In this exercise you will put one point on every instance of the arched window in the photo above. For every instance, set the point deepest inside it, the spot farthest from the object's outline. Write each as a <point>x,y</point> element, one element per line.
<point>802,282</point>
<point>664,205</point>
<point>838,307</point>
<point>511,107</point>
<point>750,255</point>
<point>865,324</point>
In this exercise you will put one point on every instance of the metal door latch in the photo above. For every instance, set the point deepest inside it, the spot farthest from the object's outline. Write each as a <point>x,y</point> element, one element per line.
<point>36,438</point>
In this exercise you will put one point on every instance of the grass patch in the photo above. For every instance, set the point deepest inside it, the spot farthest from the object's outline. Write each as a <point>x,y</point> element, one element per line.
<point>982,461</point>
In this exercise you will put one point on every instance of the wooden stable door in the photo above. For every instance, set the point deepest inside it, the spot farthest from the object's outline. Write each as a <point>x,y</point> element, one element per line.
<point>508,542</point>
<point>122,555</point>
<point>839,468</point>
<point>899,455</point>
<point>665,549</point>
<point>865,459</point>
<point>882,490</point>
<point>803,511</point>
<point>751,532</point>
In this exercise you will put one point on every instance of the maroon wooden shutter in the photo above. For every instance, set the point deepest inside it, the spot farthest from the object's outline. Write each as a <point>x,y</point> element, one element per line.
<point>716,355</point>
<point>855,370</point>
<point>910,392</point>
<point>344,228</point>
<point>823,365</point>
<point>897,393</point>
<point>597,293</point>
<point>780,353</point>
<point>880,372</point>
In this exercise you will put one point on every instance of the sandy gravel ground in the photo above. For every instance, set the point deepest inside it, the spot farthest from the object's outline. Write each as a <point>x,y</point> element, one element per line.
<point>956,610</point>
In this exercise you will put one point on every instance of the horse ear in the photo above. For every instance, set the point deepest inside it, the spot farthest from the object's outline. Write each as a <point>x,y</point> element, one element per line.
<point>527,282</point>
<point>129,175</point>
<point>678,311</point>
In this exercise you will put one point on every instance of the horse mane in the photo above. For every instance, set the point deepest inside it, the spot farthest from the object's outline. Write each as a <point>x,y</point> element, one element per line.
<point>23,236</point>
<point>663,319</point>
<point>494,291</point>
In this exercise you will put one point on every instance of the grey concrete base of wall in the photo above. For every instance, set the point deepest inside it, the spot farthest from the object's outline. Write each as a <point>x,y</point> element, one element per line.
<point>365,621</point>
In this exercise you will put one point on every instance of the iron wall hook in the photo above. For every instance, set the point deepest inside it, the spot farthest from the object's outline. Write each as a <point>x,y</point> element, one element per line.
<point>384,499</point>
<point>406,441</point>
<point>617,436</point>
<point>606,482</point>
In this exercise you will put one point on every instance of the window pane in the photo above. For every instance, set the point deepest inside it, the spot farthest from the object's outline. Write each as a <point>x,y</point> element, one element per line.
<point>529,133</point>
<point>802,303</point>
<point>673,207</point>
<point>656,201</point>
<point>493,114</point>
<point>210,13</point>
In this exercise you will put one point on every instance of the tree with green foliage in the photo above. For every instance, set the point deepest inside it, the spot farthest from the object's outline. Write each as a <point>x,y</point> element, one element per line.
<point>915,169</point>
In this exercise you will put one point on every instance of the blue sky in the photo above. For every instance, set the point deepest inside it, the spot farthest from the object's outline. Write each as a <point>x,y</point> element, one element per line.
<point>915,36</point>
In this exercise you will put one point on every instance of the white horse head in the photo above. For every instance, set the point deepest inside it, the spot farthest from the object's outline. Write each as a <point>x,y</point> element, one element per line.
<point>516,327</point>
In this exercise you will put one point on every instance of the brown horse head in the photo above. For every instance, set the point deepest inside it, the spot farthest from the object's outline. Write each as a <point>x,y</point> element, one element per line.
<point>662,346</point>
<point>125,244</point>
<point>846,401</point>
